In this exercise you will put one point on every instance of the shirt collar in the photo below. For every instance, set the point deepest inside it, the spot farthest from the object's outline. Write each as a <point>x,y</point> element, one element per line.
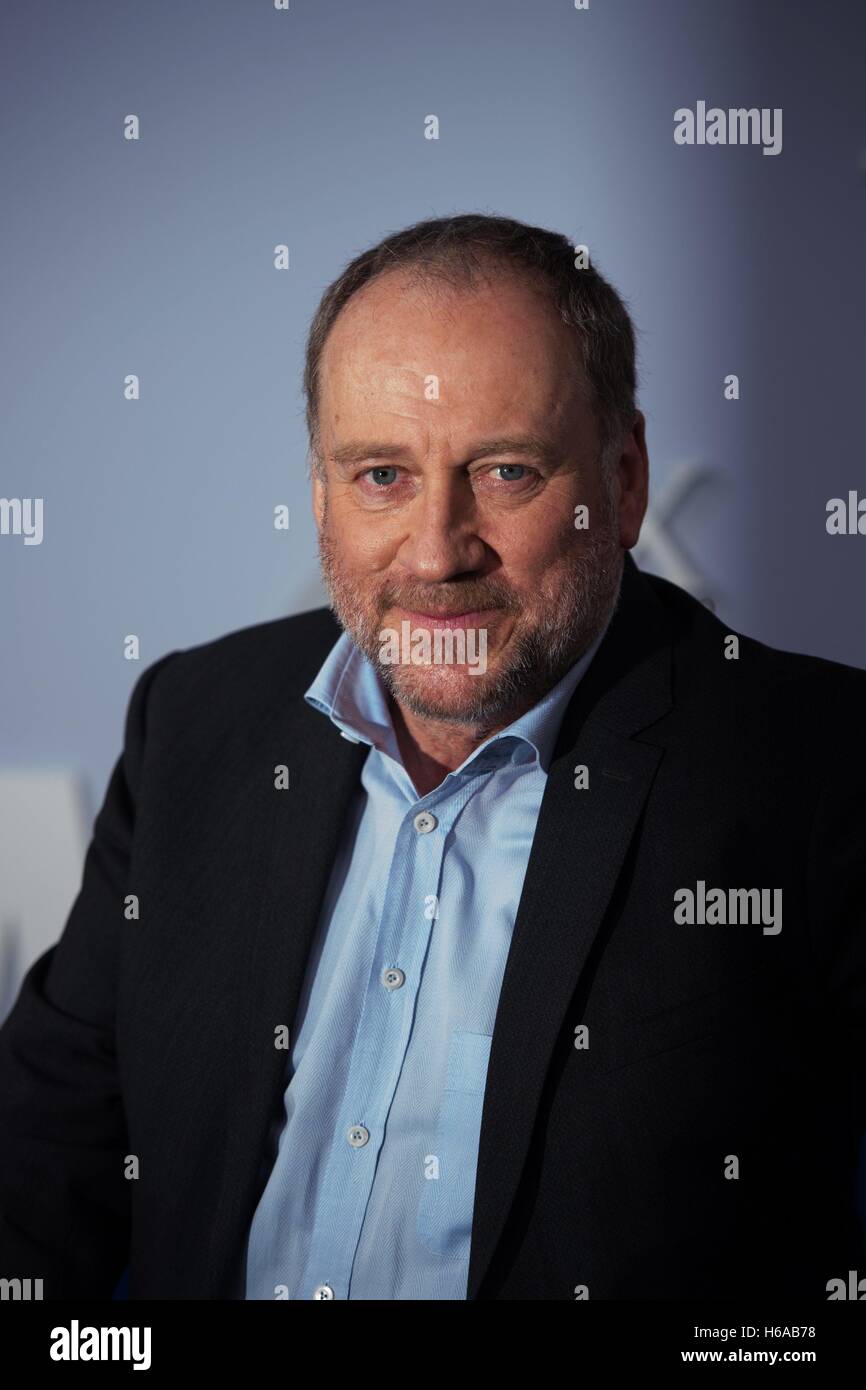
<point>350,692</point>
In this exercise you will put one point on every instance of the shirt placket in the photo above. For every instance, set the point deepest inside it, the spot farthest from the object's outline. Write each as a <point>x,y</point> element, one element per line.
<point>383,1034</point>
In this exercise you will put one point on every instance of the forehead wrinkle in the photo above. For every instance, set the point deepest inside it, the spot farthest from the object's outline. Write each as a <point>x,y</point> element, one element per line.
<point>405,415</point>
<point>382,382</point>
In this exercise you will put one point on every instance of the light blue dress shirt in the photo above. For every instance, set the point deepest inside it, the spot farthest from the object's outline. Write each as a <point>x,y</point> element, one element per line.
<point>372,1190</point>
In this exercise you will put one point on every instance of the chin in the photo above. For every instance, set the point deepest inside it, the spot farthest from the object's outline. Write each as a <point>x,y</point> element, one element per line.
<point>455,698</point>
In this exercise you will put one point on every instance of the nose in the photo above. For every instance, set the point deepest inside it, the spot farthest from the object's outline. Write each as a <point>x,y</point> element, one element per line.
<point>442,541</point>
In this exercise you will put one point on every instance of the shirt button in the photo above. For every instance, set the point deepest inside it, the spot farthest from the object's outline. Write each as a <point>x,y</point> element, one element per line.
<point>323,1291</point>
<point>424,822</point>
<point>393,978</point>
<point>357,1136</point>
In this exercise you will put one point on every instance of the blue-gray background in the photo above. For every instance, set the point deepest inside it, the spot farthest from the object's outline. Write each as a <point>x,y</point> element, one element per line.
<point>307,127</point>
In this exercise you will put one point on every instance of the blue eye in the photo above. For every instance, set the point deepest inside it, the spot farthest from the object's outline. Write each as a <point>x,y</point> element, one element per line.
<point>506,466</point>
<point>374,471</point>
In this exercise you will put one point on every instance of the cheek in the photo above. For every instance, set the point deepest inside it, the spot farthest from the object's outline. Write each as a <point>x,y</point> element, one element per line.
<point>359,550</point>
<point>533,551</point>
<point>541,530</point>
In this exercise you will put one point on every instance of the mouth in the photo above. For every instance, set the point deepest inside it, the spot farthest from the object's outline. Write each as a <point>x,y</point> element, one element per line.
<point>479,617</point>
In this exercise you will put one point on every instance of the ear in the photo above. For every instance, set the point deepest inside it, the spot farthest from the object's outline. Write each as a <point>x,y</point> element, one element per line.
<point>632,473</point>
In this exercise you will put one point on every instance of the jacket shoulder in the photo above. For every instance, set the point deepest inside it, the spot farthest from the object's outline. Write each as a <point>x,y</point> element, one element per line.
<point>251,667</point>
<point>811,684</point>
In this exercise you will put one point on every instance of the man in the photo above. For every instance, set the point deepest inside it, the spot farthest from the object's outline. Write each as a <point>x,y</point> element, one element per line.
<point>526,966</point>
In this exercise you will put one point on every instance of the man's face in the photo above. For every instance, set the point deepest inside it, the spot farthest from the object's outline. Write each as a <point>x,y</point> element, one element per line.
<point>457,445</point>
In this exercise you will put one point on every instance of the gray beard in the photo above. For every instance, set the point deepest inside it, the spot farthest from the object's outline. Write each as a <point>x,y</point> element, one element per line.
<point>536,660</point>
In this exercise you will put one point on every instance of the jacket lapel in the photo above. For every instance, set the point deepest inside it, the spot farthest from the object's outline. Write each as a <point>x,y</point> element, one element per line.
<point>296,838</point>
<point>580,843</point>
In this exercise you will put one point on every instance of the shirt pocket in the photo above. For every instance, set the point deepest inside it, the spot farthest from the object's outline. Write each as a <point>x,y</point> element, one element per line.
<point>447,1200</point>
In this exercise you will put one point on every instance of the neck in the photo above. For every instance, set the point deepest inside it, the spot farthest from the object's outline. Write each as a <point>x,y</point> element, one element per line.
<point>430,750</point>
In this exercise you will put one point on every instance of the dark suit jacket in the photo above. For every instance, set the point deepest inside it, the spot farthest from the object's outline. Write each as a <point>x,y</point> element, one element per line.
<point>608,1167</point>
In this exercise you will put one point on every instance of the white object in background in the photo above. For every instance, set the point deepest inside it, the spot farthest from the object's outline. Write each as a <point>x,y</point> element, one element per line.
<point>43,840</point>
<point>659,549</point>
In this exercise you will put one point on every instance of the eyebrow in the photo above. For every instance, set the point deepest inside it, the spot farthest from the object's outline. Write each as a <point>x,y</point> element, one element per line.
<point>526,444</point>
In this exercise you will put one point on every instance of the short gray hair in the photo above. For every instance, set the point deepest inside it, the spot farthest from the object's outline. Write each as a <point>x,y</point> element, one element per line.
<point>454,249</point>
